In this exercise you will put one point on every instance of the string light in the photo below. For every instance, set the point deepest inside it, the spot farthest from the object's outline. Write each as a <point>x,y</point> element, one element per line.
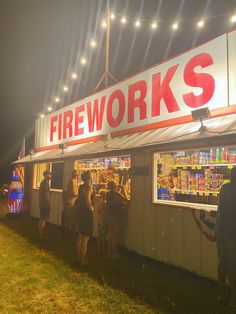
<point>93,43</point>
<point>154,25</point>
<point>200,24</point>
<point>123,20</point>
<point>74,76</point>
<point>83,61</point>
<point>137,23</point>
<point>41,115</point>
<point>175,26</point>
<point>233,19</point>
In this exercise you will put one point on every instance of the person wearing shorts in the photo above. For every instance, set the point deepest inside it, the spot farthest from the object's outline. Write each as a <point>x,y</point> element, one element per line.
<point>226,238</point>
<point>44,203</point>
<point>102,223</point>
<point>116,203</point>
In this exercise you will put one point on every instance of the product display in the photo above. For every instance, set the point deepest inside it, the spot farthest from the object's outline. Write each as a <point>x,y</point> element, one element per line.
<point>105,169</point>
<point>194,176</point>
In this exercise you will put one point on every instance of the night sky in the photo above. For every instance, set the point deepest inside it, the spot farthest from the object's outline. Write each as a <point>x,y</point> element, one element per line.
<point>43,40</point>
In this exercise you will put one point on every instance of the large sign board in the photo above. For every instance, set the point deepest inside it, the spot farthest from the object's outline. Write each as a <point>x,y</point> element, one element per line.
<point>160,96</point>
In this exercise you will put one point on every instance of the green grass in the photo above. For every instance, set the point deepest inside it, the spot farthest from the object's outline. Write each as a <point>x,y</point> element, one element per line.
<point>38,277</point>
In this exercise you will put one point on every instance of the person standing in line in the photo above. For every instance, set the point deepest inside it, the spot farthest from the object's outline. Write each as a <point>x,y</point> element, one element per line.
<point>69,214</point>
<point>84,206</point>
<point>44,203</point>
<point>102,223</point>
<point>115,209</point>
<point>226,238</point>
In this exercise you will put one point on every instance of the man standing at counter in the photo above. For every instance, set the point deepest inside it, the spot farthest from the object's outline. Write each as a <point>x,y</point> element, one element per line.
<point>226,238</point>
<point>44,203</point>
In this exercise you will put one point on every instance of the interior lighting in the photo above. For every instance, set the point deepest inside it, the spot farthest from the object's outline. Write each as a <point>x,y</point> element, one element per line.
<point>83,61</point>
<point>200,24</point>
<point>104,24</point>
<point>175,26</point>
<point>93,43</point>
<point>137,23</point>
<point>233,19</point>
<point>154,25</point>
<point>112,16</point>
<point>123,20</point>
<point>74,76</point>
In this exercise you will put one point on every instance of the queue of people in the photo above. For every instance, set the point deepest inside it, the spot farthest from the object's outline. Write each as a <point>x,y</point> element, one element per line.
<point>78,214</point>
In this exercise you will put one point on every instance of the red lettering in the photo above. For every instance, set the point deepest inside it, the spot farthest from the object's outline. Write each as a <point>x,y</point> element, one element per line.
<point>59,126</point>
<point>115,122</point>
<point>163,90</point>
<point>53,128</point>
<point>78,120</point>
<point>137,102</point>
<point>96,114</point>
<point>67,123</point>
<point>202,80</point>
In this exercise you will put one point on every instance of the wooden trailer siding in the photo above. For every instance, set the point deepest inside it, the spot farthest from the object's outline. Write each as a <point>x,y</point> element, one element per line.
<point>56,206</point>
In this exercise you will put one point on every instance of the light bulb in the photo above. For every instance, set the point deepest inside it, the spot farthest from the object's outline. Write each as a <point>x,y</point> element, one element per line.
<point>137,23</point>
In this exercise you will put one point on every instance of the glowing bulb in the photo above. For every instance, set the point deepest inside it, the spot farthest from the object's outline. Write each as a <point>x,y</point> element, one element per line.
<point>104,24</point>
<point>175,26</point>
<point>137,23</point>
<point>112,16</point>
<point>57,99</point>
<point>41,115</point>
<point>49,108</point>
<point>200,24</point>
<point>154,25</point>
<point>83,61</point>
<point>233,19</point>
<point>74,76</point>
<point>65,88</point>
<point>123,20</point>
<point>93,43</point>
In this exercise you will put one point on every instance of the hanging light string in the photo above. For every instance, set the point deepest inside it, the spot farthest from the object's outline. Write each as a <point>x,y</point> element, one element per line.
<point>137,23</point>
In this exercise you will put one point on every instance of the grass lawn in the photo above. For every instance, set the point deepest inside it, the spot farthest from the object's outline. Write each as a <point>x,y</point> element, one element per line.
<point>39,277</point>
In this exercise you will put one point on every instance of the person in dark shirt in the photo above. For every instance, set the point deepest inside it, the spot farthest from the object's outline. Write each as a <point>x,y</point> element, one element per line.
<point>84,206</point>
<point>226,238</point>
<point>116,203</point>
<point>44,203</point>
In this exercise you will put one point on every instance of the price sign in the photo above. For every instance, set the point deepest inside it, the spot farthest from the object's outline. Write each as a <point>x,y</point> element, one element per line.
<point>193,167</point>
<point>230,166</point>
<point>199,167</point>
<point>184,167</point>
<point>215,194</point>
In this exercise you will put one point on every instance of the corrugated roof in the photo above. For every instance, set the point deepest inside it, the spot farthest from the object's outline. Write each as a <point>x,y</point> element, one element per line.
<point>186,132</point>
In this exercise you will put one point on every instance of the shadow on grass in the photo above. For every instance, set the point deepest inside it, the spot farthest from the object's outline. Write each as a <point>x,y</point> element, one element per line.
<point>163,288</point>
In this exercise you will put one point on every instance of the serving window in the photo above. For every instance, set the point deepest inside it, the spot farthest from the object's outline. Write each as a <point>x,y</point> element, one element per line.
<point>57,169</point>
<point>192,178</point>
<point>105,169</point>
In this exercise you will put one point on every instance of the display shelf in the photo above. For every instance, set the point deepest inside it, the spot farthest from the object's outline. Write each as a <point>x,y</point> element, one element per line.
<point>199,166</point>
<point>195,192</point>
<point>100,168</point>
